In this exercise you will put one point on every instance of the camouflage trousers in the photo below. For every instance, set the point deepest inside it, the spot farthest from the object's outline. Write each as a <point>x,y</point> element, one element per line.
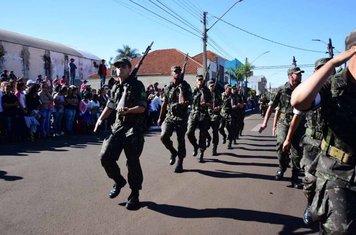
<point>131,140</point>
<point>295,154</point>
<point>201,123</point>
<point>180,127</point>
<point>309,161</point>
<point>334,206</point>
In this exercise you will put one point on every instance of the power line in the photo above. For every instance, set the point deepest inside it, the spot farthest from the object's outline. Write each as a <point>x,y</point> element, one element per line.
<point>188,10</point>
<point>164,18</point>
<point>282,66</point>
<point>269,40</point>
<point>178,17</point>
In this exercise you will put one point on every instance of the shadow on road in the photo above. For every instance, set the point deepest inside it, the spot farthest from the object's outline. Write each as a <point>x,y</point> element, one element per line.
<point>4,176</point>
<point>214,160</point>
<point>51,144</point>
<point>230,174</point>
<point>290,223</point>
<point>245,156</point>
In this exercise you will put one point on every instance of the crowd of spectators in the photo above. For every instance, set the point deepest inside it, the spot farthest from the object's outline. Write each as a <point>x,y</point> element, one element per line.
<point>44,108</point>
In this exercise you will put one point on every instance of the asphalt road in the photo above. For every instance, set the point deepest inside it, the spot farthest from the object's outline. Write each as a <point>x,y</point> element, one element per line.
<point>58,186</point>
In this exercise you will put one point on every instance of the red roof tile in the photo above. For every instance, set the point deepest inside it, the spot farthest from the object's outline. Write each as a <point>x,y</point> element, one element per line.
<point>211,56</point>
<point>159,62</point>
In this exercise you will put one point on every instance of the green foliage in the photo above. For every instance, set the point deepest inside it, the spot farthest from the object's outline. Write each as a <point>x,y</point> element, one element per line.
<point>244,71</point>
<point>126,52</point>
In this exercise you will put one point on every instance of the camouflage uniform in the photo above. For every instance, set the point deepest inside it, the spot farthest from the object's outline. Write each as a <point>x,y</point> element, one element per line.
<point>215,119</point>
<point>226,119</point>
<point>199,118</point>
<point>126,134</point>
<point>176,118</point>
<point>311,148</point>
<point>282,100</point>
<point>240,116</point>
<point>334,203</point>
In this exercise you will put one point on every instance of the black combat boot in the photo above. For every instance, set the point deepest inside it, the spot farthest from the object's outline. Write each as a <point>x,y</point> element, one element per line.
<point>224,139</point>
<point>195,151</point>
<point>133,202</point>
<point>229,146</point>
<point>201,156</point>
<point>214,150</point>
<point>116,188</point>
<point>307,216</point>
<point>179,166</point>
<point>173,158</point>
<point>279,174</point>
<point>295,180</point>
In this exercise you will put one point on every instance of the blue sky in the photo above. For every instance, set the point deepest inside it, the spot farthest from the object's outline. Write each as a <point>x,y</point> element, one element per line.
<point>102,26</point>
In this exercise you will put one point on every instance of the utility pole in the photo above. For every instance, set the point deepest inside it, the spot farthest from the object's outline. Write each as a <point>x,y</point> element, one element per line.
<point>205,39</point>
<point>330,49</point>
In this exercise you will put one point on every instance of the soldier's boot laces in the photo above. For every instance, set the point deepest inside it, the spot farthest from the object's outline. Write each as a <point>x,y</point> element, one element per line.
<point>179,166</point>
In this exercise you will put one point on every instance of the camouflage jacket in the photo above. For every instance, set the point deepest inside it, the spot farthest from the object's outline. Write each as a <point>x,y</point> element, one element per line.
<point>339,114</point>
<point>176,111</point>
<point>216,101</point>
<point>198,95</point>
<point>282,101</point>
<point>135,96</point>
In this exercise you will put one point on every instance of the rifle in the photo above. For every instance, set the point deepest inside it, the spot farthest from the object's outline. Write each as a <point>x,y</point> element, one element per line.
<point>138,65</point>
<point>184,65</point>
<point>206,75</point>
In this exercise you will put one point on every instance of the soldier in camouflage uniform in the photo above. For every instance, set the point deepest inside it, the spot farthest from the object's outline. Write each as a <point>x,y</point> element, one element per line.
<point>214,112</point>
<point>334,203</point>
<point>199,117</point>
<point>177,98</point>
<point>226,116</point>
<point>285,114</point>
<point>311,146</point>
<point>128,100</point>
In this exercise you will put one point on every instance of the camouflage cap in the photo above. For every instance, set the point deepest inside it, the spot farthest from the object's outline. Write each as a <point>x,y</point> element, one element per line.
<point>295,70</point>
<point>350,40</point>
<point>122,61</point>
<point>320,62</point>
<point>176,68</point>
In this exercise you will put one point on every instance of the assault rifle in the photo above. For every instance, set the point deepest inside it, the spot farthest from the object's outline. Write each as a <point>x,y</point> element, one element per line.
<point>138,65</point>
<point>184,65</point>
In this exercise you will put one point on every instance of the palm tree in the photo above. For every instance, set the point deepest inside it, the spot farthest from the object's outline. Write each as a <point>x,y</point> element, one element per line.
<point>243,72</point>
<point>126,52</point>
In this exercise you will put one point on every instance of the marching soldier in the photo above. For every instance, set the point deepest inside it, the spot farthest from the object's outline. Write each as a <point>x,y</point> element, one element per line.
<point>226,116</point>
<point>214,112</point>
<point>199,117</point>
<point>128,100</point>
<point>177,98</point>
<point>335,196</point>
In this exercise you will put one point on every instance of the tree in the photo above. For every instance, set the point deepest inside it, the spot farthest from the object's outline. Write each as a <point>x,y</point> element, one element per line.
<point>243,72</point>
<point>126,52</point>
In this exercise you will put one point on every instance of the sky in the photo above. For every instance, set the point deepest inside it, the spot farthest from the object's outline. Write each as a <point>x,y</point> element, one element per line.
<point>267,32</point>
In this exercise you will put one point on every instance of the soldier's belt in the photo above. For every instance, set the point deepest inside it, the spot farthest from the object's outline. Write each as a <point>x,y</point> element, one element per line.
<point>314,134</point>
<point>337,153</point>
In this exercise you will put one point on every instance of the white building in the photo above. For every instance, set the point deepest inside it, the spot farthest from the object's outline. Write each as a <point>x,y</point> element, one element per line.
<point>29,57</point>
